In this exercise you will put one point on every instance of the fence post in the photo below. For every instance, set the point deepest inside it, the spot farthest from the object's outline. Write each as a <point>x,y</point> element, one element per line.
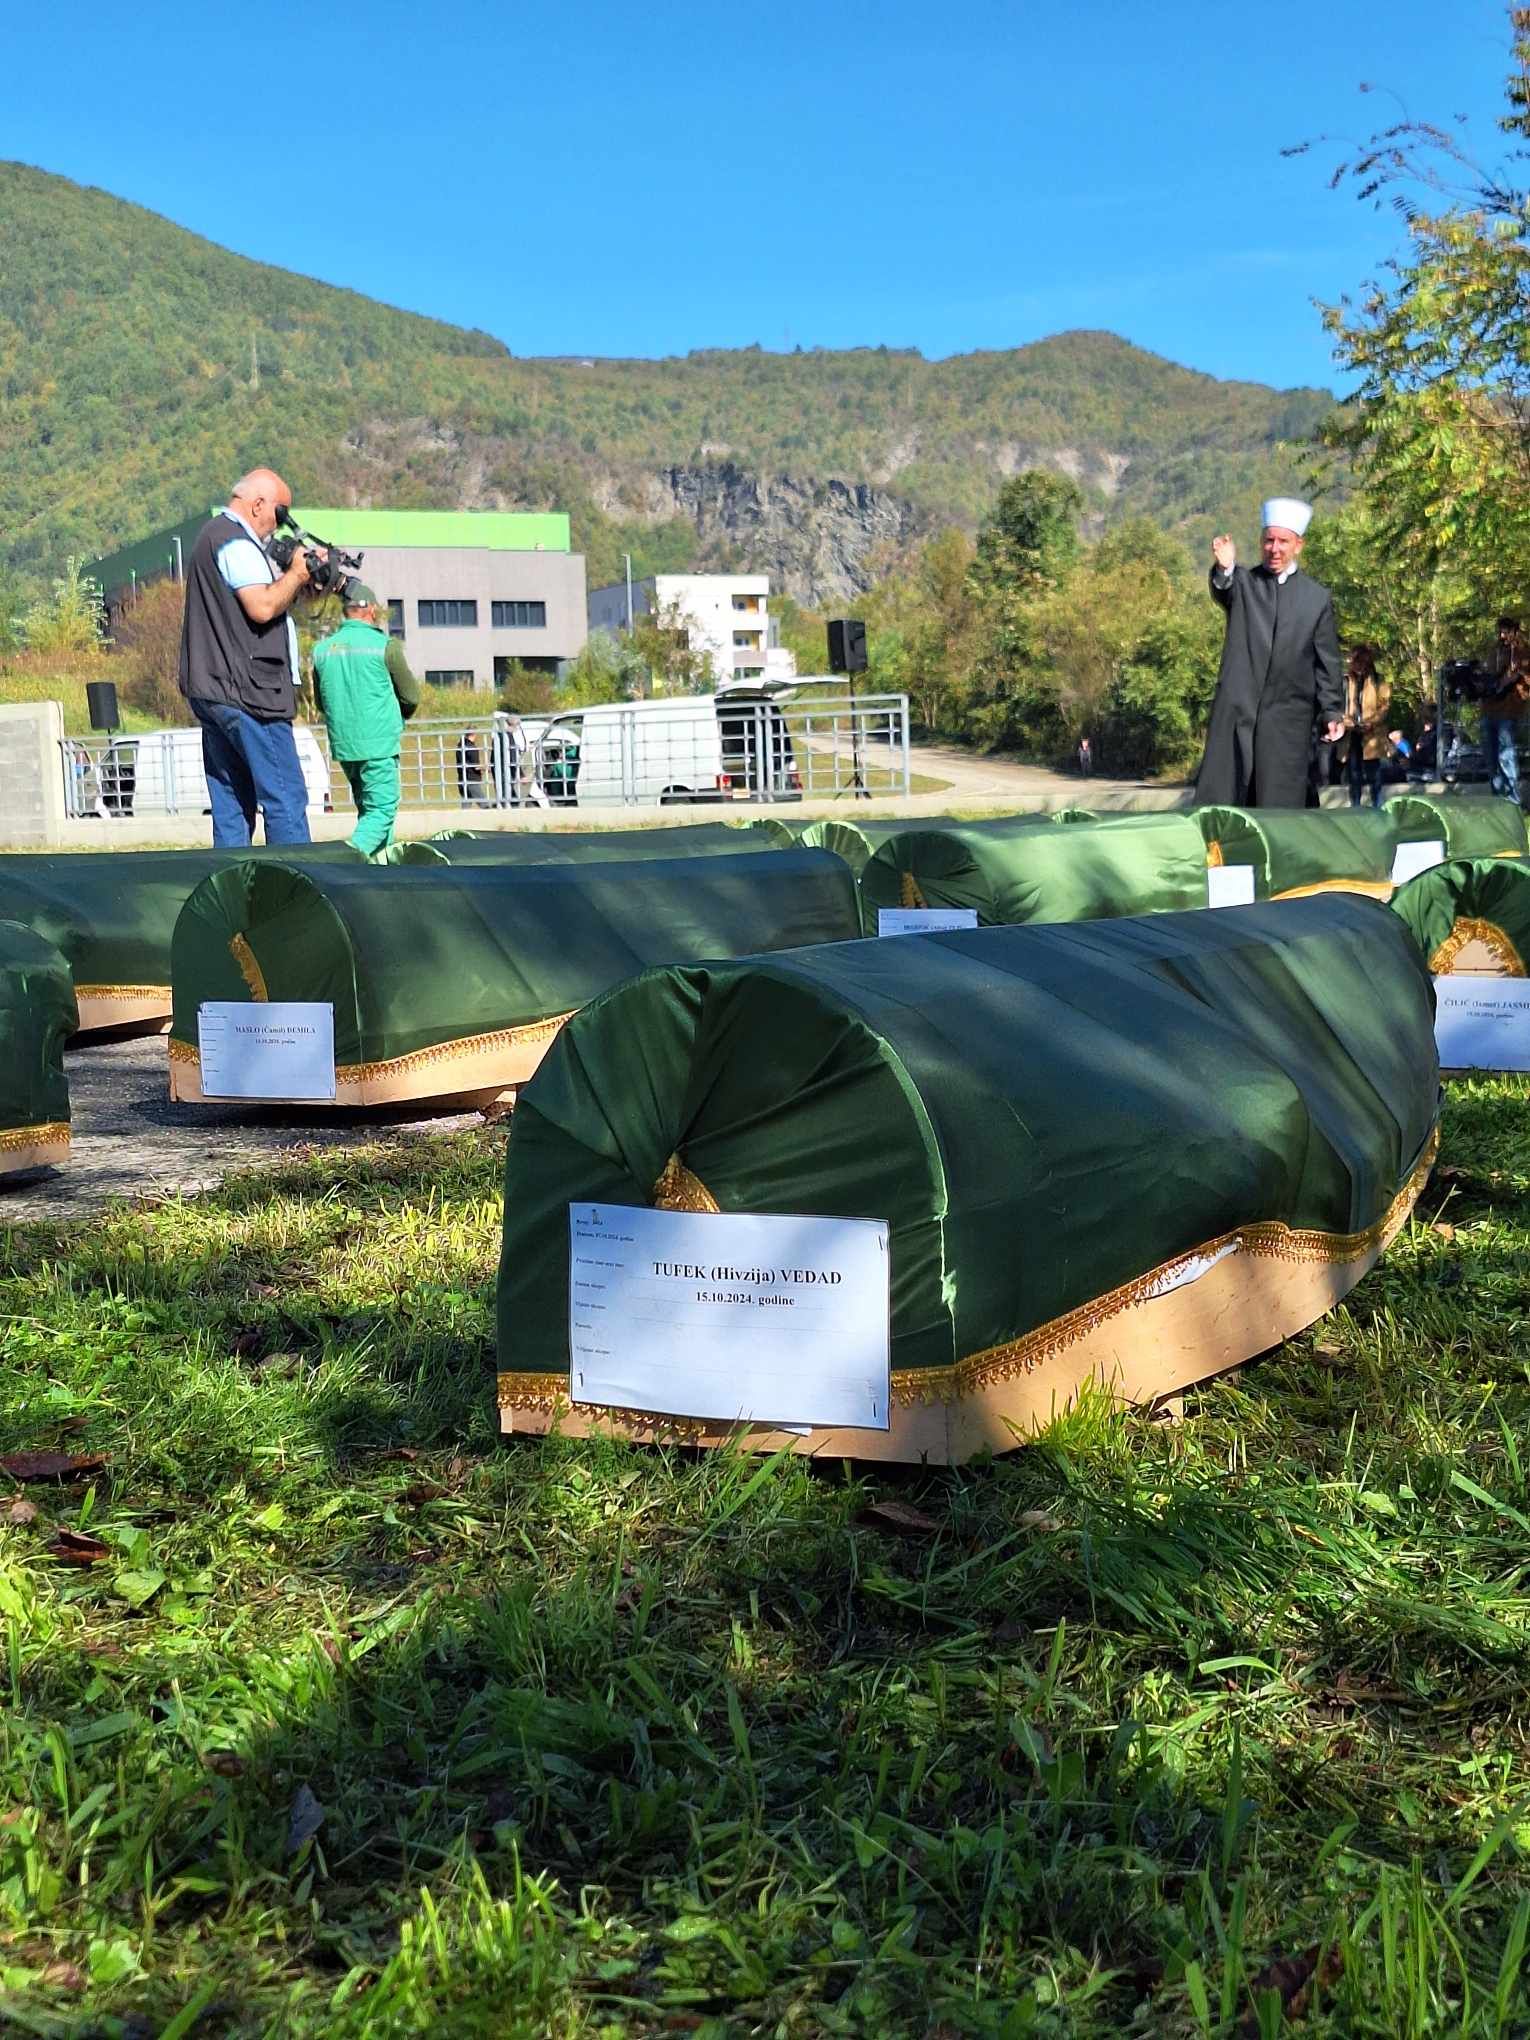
<point>33,763</point>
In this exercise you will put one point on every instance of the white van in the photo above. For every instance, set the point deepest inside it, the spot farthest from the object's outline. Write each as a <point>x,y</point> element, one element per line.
<point>161,774</point>
<point>684,748</point>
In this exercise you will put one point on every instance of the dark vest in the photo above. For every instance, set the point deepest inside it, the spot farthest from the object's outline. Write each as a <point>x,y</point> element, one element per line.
<point>224,656</point>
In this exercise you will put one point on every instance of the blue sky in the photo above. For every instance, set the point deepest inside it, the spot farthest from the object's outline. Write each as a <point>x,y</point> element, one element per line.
<point>595,179</point>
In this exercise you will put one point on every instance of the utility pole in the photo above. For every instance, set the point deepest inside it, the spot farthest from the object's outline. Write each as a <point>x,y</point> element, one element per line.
<point>628,558</point>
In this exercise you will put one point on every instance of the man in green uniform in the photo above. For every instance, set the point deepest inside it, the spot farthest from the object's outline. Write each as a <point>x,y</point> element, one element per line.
<point>366,690</point>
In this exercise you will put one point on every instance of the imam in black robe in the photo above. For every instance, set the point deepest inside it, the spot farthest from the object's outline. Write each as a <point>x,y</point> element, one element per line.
<point>1280,674</point>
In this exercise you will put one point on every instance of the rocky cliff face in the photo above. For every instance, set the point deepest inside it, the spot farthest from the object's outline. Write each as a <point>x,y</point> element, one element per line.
<point>822,540</point>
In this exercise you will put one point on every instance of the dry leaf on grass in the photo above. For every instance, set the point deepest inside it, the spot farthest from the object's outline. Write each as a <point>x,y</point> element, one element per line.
<point>902,1518</point>
<point>21,1512</point>
<point>422,1492</point>
<point>74,1547</point>
<point>304,1820</point>
<point>1292,1976</point>
<point>64,1976</point>
<point>1445,1229</point>
<point>226,1763</point>
<point>51,1465</point>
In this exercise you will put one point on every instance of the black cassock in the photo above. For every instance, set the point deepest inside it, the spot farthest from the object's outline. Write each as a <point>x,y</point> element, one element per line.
<point>1280,674</point>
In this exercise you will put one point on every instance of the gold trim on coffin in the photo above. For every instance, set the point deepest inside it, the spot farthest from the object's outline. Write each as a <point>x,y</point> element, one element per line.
<point>1214,857</point>
<point>503,1041</point>
<point>909,894</point>
<point>33,1147</point>
<point>1468,930</point>
<point>249,969</point>
<point>912,1386</point>
<point>1374,888</point>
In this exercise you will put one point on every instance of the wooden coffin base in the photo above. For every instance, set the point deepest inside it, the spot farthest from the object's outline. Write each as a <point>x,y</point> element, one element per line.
<point>1186,1322</point>
<point>123,1009</point>
<point>33,1147</point>
<point>478,1070</point>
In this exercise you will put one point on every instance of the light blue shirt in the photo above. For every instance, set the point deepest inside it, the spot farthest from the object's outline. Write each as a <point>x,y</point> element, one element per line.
<point>244,563</point>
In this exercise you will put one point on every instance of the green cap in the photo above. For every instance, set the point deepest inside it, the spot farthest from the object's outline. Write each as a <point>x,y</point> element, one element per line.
<point>359,596</point>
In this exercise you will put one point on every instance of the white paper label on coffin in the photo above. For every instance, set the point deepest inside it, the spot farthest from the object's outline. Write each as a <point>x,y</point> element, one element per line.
<point>924,920</point>
<point>282,1050</point>
<point>1482,1023</point>
<point>1230,885</point>
<point>732,1318</point>
<point>1412,858</point>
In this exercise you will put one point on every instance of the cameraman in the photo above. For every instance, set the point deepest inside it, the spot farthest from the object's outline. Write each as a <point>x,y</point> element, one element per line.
<point>239,666</point>
<point>1503,708</point>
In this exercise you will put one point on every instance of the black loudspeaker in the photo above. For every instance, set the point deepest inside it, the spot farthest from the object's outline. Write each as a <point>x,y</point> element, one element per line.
<point>102,698</point>
<point>847,645</point>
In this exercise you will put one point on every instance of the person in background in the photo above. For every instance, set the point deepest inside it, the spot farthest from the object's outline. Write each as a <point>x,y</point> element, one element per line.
<point>471,789</point>
<point>1503,711</point>
<point>239,666</point>
<point>1085,758</point>
<point>366,691</point>
<point>1368,703</point>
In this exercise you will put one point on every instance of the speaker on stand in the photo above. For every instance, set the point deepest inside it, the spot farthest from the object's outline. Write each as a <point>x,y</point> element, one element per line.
<point>847,655</point>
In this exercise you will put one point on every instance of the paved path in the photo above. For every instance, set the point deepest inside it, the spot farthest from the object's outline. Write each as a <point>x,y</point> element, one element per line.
<point>129,1140</point>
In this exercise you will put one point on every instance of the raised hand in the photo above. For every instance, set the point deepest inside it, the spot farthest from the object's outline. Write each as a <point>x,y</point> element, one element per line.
<point>1224,553</point>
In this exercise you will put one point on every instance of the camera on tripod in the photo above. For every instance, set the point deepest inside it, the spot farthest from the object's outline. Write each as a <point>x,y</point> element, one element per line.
<point>328,567</point>
<point>1467,680</point>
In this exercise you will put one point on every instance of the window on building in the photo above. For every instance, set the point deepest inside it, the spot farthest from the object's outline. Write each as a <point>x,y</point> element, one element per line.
<point>395,616</point>
<point>747,640</point>
<point>750,604</point>
<point>520,615</point>
<point>438,676</point>
<point>447,615</point>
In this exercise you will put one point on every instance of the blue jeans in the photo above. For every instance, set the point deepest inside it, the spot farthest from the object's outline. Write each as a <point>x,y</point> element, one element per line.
<point>1364,772</point>
<point>1500,737</point>
<point>251,764</point>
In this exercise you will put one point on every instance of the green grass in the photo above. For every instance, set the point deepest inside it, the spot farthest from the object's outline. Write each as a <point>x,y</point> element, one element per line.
<point>367,1723</point>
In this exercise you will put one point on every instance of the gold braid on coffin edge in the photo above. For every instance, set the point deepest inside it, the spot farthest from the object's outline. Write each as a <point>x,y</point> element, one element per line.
<point>249,969</point>
<point>420,1058</point>
<point>54,1134</point>
<point>909,894</point>
<point>1373,888</point>
<point>123,992</point>
<point>679,1190</point>
<point>1214,857</point>
<point>1267,1238</point>
<point>1493,939</point>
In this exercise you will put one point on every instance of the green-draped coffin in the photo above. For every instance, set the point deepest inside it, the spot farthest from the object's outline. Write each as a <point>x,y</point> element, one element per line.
<point>111,914</point>
<point>1468,827</point>
<point>591,846</point>
<point>1025,869</point>
<point>1301,850</point>
<point>37,1016</point>
<point>451,980</point>
<point>1131,1151</point>
<point>1471,915</point>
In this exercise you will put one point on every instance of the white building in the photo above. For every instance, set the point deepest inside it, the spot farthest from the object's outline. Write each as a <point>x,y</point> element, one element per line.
<point>726,616</point>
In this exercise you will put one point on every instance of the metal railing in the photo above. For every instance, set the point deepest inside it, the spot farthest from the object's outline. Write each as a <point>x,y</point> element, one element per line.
<point>679,749</point>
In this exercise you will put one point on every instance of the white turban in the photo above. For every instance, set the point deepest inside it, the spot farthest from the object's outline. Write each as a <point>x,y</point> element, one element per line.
<point>1287,514</point>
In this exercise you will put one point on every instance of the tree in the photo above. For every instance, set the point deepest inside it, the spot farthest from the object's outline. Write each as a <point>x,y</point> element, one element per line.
<point>147,643</point>
<point>1439,427</point>
<point>1030,538</point>
<point>71,619</point>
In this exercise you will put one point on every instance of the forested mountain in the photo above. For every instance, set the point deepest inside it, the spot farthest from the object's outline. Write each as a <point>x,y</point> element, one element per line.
<point>142,367</point>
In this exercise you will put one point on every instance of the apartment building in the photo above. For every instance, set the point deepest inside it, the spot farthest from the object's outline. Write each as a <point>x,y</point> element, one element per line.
<point>727,616</point>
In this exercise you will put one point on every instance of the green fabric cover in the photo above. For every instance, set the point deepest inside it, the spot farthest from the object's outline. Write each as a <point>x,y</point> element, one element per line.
<point>1024,869</point>
<point>1466,826</point>
<point>1491,889</point>
<point>414,955</point>
<point>1293,847</point>
<point>111,913</point>
<point>1040,1114</point>
<point>1077,814</point>
<point>593,846</point>
<point>37,1016</point>
<point>782,833</point>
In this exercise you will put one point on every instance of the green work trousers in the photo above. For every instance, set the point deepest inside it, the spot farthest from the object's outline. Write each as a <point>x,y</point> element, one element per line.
<point>374,788</point>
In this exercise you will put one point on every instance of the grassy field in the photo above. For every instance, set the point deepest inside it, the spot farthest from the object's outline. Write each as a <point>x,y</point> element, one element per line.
<point>322,1712</point>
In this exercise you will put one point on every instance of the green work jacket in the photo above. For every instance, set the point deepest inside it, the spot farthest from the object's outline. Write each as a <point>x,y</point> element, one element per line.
<point>365,689</point>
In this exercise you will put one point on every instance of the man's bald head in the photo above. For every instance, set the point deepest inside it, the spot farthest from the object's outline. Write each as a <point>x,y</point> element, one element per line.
<point>258,496</point>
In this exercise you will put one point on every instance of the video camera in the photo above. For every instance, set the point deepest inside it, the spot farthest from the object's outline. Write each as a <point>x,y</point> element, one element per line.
<point>328,567</point>
<point>1468,680</point>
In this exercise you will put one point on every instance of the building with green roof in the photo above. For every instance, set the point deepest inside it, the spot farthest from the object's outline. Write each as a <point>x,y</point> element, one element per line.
<point>469,592</point>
